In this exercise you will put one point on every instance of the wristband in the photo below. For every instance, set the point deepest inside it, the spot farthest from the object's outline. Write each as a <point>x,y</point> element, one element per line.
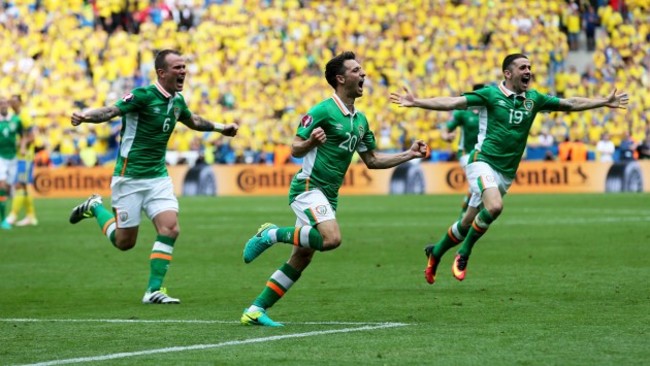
<point>219,127</point>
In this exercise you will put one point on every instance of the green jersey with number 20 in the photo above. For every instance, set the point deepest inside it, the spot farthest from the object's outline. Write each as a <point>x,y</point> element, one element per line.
<point>324,167</point>
<point>504,124</point>
<point>149,115</point>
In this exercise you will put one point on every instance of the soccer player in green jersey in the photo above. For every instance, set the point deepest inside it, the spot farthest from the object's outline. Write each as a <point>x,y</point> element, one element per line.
<point>140,180</point>
<point>11,142</point>
<point>467,121</point>
<point>510,108</point>
<point>327,138</point>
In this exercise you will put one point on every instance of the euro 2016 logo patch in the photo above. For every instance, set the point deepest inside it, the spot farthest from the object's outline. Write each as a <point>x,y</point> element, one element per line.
<point>306,121</point>
<point>321,210</point>
<point>177,112</point>
<point>528,104</point>
<point>127,98</point>
<point>123,216</point>
<point>361,131</point>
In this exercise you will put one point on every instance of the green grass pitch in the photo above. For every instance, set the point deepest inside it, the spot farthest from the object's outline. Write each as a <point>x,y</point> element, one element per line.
<point>557,280</point>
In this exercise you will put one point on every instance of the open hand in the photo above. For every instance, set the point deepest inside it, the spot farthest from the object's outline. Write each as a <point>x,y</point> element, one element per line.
<point>404,100</point>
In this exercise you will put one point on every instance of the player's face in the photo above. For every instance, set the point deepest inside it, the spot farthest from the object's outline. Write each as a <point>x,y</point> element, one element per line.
<point>519,75</point>
<point>4,106</point>
<point>353,78</point>
<point>173,76</point>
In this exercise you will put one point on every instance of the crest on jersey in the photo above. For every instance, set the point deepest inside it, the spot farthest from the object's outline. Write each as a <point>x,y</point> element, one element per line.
<point>306,121</point>
<point>361,131</point>
<point>528,104</point>
<point>321,210</point>
<point>177,112</point>
<point>128,97</point>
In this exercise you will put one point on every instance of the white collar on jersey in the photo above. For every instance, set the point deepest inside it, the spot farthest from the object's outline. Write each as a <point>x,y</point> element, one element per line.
<point>162,90</point>
<point>508,92</point>
<point>344,109</point>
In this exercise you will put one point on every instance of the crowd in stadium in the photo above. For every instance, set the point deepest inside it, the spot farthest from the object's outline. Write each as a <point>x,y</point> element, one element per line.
<point>260,63</point>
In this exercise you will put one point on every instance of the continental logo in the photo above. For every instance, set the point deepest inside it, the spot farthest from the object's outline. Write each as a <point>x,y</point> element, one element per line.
<point>253,180</point>
<point>529,176</point>
<point>560,176</point>
<point>456,178</point>
<point>61,181</point>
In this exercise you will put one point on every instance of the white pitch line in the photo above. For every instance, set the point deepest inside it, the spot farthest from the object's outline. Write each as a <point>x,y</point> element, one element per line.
<point>179,321</point>
<point>114,356</point>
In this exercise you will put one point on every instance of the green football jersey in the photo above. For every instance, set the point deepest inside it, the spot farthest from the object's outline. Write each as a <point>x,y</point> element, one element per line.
<point>324,167</point>
<point>467,120</point>
<point>504,124</point>
<point>149,115</point>
<point>10,130</point>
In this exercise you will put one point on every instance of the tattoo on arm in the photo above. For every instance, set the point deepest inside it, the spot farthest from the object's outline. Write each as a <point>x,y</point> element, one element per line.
<point>199,123</point>
<point>102,114</point>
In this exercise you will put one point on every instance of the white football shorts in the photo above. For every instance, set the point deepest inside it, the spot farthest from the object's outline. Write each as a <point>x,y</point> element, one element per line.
<point>312,208</point>
<point>131,196</point>
<point>480,176</point>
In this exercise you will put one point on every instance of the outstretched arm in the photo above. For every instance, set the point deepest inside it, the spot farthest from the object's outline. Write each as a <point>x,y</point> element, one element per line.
<point>376,160</point>
<point>438,103</point>
<point>199,123</point>
<point>613,100</point>
<point>96,115</point>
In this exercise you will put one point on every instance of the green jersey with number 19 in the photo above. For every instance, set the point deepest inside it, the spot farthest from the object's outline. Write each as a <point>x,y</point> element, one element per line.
<point>324,167</point>
<point>149,115</point>
<point>504,124</point>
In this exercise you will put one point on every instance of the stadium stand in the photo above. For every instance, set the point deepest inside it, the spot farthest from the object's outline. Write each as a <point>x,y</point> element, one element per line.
<point>260,63</point>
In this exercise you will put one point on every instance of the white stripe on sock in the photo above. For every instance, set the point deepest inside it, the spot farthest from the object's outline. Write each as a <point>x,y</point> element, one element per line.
<point>162,247</point>
<point>281,278</point>
<point>109,230</point>
<point>304,236</point>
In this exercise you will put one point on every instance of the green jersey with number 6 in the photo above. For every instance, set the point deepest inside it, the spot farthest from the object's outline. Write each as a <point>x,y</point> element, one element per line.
<point>324,167</point>
<point>10,130</point>
<point>149,115</point>
<point>504,124</point>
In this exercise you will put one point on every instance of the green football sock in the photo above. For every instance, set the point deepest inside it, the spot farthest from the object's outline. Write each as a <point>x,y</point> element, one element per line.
<point>161,257</point>
<point>454,235</point>
<point>480,225</point>
<point>303,236</point>
<point>106,221</point>
<point>278,284</point>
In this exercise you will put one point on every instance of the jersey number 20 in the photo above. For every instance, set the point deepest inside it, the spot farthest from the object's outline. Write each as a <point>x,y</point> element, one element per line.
<point>350,143</point>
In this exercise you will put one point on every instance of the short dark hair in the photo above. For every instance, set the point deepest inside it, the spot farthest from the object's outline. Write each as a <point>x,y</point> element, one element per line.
<point>336,66</point>
<point>160,62</point>
<point>510,59</point>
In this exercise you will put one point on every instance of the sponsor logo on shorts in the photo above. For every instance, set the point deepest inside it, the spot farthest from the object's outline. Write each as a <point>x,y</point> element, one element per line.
<point>321,210</point>
<point>123,216</point>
